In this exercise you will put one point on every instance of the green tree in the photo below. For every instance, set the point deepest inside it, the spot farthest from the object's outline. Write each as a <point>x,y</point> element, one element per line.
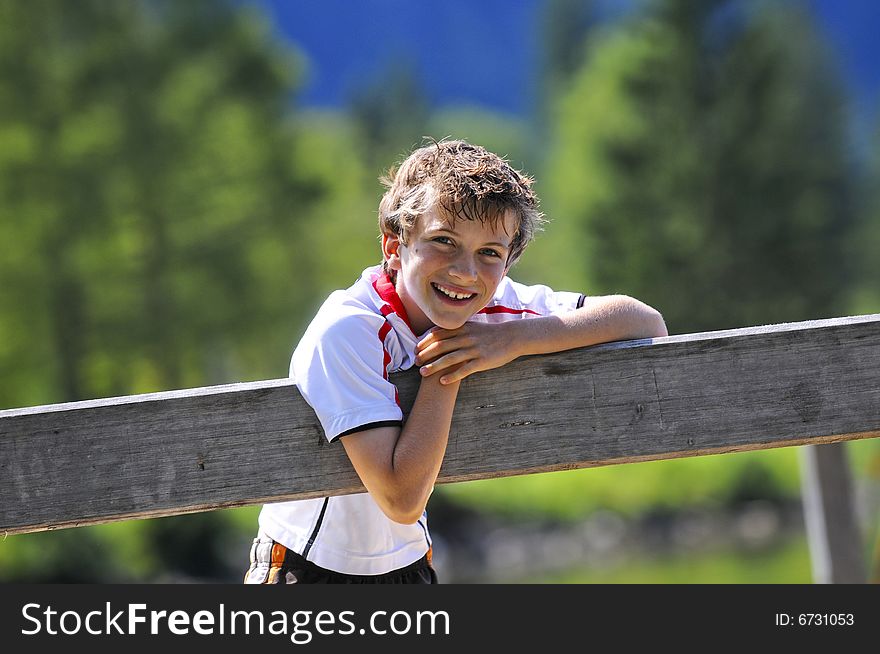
<point>390,112</point>
<point>699,163</point>
<point>160,227</point>
<point>146,152</point>
<point>501,133</point>
<point>564,29</point>
<point>342,225</point>
<point>564,34</point>
<point>865,243</point>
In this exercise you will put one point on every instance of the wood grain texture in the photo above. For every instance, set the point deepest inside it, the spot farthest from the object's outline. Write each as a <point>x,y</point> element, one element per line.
<point>192,450</point>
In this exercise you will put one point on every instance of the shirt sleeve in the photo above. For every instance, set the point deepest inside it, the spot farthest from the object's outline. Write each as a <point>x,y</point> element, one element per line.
<point>515,298</point>
<point>339,366</point>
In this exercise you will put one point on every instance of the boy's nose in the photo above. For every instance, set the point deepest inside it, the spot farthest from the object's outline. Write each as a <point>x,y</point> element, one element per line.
<point>463,268</point>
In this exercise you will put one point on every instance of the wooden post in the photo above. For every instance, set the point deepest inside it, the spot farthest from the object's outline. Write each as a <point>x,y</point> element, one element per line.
<point>836,546</point>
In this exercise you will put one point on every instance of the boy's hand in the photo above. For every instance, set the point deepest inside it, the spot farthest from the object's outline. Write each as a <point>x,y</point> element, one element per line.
<point>461,352</point>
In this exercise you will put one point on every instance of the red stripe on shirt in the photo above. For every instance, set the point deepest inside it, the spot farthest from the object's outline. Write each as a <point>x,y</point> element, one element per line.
<point>385,288</point>
<point>386,359</point>
<point>384,330</point>
<point>503,309</point>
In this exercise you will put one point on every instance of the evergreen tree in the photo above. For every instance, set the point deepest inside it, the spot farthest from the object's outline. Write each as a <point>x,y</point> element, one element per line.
<point>699,163</point>
<point>161,217</point>
<point>865,243</point>
<point>565,31</point>
<point>390,113</point>
<point>152,209</point>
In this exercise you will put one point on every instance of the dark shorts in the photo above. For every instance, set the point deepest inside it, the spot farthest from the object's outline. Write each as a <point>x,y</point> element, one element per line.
<point>273,563</point>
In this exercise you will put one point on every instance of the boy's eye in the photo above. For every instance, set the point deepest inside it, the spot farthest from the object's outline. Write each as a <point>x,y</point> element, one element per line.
<point>489,252</point>
<point>443,239</point>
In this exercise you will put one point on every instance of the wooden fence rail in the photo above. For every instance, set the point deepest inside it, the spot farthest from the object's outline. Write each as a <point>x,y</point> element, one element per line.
<point>160,454</point>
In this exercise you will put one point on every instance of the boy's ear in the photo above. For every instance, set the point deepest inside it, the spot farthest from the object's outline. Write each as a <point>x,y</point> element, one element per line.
<point>391,250</point>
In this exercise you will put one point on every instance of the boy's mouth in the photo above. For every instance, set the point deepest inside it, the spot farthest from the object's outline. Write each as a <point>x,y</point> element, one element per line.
<point>451,294</point>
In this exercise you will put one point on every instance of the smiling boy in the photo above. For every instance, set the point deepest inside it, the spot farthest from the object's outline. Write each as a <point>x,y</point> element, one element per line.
<point>454,219</point>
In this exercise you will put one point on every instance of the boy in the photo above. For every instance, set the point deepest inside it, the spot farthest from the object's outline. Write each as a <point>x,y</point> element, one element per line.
<point>454,219</point>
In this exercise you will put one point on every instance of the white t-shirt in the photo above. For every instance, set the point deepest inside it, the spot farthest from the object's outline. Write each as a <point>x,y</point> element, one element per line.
<point>341,367</point>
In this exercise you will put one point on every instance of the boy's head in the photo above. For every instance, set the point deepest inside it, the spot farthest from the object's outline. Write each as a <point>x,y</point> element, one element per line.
<point>463,182</point>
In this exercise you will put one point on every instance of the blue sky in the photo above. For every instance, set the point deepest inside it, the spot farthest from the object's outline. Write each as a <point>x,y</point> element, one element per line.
<point>485,52</point>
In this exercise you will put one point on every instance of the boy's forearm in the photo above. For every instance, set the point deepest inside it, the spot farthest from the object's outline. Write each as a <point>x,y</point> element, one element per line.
<point>421,445</point>
<point>474,347</point>
<point>600,320</point>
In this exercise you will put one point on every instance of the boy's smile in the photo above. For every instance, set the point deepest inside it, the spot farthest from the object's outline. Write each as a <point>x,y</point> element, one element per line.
<point>447,273</point>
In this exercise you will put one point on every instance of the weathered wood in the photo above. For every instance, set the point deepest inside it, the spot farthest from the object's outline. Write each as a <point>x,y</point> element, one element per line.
<point>194,450</point>
<point>836,546</point>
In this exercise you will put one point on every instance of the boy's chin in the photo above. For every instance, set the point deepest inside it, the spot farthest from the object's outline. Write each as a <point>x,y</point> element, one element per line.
<point>449,324</point>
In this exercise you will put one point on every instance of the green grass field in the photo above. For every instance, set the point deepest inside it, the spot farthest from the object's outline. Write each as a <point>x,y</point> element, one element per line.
<point>788,563</point>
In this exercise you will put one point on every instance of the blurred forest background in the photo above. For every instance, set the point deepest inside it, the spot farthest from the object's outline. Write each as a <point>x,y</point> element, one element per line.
<point>171,216</point>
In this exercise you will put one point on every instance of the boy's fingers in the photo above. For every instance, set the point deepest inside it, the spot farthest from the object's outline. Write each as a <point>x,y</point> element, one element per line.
<point>436,334</point>
<point>422,349</point>
<point>434,349</point>
<point>443,363</point>
<point>458,374</point>
<point>426,343</point>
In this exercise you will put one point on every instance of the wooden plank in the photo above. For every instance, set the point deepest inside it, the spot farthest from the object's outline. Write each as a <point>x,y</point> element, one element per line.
<point>176,452</point>
<point>829,514</point>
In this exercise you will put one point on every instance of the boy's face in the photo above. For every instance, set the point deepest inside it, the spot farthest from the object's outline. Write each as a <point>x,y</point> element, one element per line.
<point>448,273</point>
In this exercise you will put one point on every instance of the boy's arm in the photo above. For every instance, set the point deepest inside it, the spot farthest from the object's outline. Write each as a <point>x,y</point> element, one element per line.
<point>480,346</point>
<point>399,465</point>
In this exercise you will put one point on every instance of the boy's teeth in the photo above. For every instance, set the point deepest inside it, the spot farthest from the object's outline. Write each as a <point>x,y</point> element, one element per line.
<point>452,294</point>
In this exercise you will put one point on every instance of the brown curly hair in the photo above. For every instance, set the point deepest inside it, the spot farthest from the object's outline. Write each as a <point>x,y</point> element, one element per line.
<point>468,183</point>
